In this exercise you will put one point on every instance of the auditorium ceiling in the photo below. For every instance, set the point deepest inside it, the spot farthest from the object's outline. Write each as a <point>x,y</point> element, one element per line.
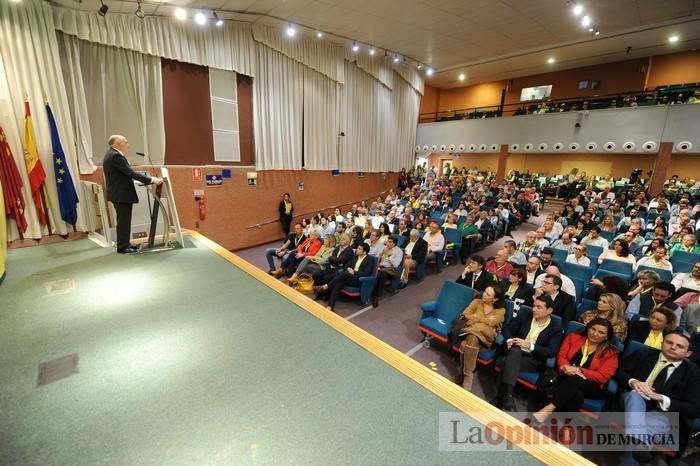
<point>483,39</point>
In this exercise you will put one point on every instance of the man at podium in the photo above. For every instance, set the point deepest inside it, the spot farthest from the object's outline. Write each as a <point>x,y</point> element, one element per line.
<point>120,188</point>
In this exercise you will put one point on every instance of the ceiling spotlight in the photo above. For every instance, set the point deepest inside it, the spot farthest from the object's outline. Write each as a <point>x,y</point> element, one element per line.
<point>200,18</point>
<point>181,14</point>
<point>591,29</point>
<point>596,33</point>
<point>550,60</point>
<point>396,58</point>
<point>355,47</point>
<point>291,32</point>
<point>103,9</point>
<point>429,71</point>
<point>462,77</point>
<point>371,51</point>
<point>217,21</point>
<point>578,9</point>
<point>673,39</point>
<point>319,34</point>
<point>419,66</point>
<point>586,21</point>
<point>139,12</point>
<point>16,1</point>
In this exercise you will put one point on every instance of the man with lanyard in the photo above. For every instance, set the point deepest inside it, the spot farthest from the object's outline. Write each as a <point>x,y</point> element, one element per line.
<point>474,275</point>
<point>657,260</point>
<point>687,245</point>
<point>389,263</point>
<point>360,266</point>
<point>531,339</point>
<point>654,382</point>
<point>546,257</point>
<point>294,239</point>
<point>661,296</point>
<point>342,254</point>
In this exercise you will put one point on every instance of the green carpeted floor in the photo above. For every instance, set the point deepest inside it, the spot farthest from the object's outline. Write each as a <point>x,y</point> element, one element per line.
<point>185,359</point>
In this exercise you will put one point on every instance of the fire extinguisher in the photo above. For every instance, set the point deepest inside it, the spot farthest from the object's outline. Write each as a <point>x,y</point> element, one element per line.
<point>202,207</point>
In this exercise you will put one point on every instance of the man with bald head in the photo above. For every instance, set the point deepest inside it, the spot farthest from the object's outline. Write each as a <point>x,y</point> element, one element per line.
<point>121,192</point>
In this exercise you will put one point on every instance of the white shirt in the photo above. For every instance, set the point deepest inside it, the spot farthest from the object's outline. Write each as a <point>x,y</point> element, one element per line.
<point>686,280</point>
<point>599,241</point>
<point>651,262</point>
<point>567,286</point>
<point>665,403</point>
<point>585,261</point>
<point>436,242</point>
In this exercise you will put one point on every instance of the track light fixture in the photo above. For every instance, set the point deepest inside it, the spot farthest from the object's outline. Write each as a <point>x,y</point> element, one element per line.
<point>219,22</point>
<point>291,32</point>
<point>103,9</point>
<point>319,34</point>
<point>139,12</point>
<point>200,18</point>
<point>355,47</point>
<point>429,71</point>
<point>396,58</point>
<point>181,14</point>
<point>371,51</point>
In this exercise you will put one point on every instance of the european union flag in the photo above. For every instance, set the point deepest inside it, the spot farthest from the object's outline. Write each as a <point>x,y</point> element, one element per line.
<point>67,197</point>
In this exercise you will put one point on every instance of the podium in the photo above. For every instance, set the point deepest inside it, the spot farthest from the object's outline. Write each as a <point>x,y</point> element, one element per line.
<point>154,217</point>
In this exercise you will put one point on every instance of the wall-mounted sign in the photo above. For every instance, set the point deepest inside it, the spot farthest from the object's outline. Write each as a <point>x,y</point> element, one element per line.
<point>252,178</point>
<point>300,186</point>
<point>197,174</point>
<point>226,173</point>
<point>215,180</point>
<point>335,172</point>
<point>360,174</point>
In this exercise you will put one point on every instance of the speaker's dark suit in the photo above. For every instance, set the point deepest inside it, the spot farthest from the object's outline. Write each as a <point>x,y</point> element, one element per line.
<point>564,307</point>
<point>121,192</point>
<point>345,278</point>
<point>419,251</point>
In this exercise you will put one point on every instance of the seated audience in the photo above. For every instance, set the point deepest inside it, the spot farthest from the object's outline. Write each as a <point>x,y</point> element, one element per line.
<point>415,252</point>
<point>499,265</point>
<point>516,287</point>
<point>653,381</point>
<point>435,240</point>
<point>690,318</point>
<point>309,247</point>
<point>651,332</point>
<point>565,243</point>
<point>657,260</point>
<point>612,308</point>
<point>661,296</point>
<point>688,281</point>
<point>532,269</point>
<point>317,262</point>
<point>529,246</point>
<point>579,256</point>
<point>376,245</point>
<point>294,240</point>
<point>646,280</point>
<point>535,337</point>
<point>389,263</point>
<point>360,266</point>
<point>474,275</point>
<point>687,245</point>
<point>594,239</point>
<point>620,252</point>
<point>482,320</point>
<point>586,362</point>
<point>339,260</point>
<point>567,286</point>
<point>610,284</point>
<point>515,257</point>
<point>563,304</point>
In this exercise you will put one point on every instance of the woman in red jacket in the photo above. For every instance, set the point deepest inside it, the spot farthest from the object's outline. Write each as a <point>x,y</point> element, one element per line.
<point>586,362</point>
<point>306,249</point>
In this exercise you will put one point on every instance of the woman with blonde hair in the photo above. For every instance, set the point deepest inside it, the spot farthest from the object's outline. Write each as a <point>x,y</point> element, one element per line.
<point>612,308</point>
<point>608,224</point>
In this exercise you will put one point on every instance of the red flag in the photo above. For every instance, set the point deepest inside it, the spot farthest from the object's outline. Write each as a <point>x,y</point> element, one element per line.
<point>11,185</point>
<point>35,169</point>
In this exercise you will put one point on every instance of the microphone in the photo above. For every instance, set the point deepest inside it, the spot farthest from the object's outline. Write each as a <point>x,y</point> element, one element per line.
<point>140,153</point>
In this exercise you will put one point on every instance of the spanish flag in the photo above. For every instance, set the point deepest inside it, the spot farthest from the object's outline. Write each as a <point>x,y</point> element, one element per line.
<point>35,169</point>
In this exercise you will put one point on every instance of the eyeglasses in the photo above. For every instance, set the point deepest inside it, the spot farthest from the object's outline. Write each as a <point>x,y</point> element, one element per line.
<point>548,283</point>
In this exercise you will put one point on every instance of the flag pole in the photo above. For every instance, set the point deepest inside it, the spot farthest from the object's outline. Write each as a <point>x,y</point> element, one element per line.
<point>44,205</point>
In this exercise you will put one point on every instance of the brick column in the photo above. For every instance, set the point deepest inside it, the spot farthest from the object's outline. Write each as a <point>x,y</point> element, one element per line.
<point>502,160</point>
<point>661,165</point>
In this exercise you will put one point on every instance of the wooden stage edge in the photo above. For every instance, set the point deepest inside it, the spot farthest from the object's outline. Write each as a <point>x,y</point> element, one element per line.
<point>539,446</point>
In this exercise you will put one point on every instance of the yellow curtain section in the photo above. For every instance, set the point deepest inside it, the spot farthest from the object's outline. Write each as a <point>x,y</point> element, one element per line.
<point>3,235</point>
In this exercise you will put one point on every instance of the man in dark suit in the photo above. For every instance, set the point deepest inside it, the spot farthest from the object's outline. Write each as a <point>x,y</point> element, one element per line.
<point>533,338</point>
<point>564,304</point>
<point>339,260</point>
<point>659,381</point>
<point>360,266</point>
<point>414,254</point>
<point>474,275</point>
<point>121,192</point>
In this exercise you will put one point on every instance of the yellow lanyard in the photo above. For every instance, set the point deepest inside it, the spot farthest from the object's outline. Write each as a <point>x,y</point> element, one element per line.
<point>512,289</point>
<point>534,332</point>
<point>585,353</point>
<point>661,364</point>
<point>359,261</point>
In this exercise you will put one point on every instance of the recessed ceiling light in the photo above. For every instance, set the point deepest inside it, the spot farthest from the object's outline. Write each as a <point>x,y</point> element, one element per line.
<point>462,77</point>
<point>319,34</point>
<point>200,18</point>
<point>291,32</point>
<point>181,14</point>
<point>429,71</point>
<point>371,51</point>
<point>578,9</point>
<point>550,60</point>
<point>673,39</point>
<point>355,47</point>
<point>586,20</point>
